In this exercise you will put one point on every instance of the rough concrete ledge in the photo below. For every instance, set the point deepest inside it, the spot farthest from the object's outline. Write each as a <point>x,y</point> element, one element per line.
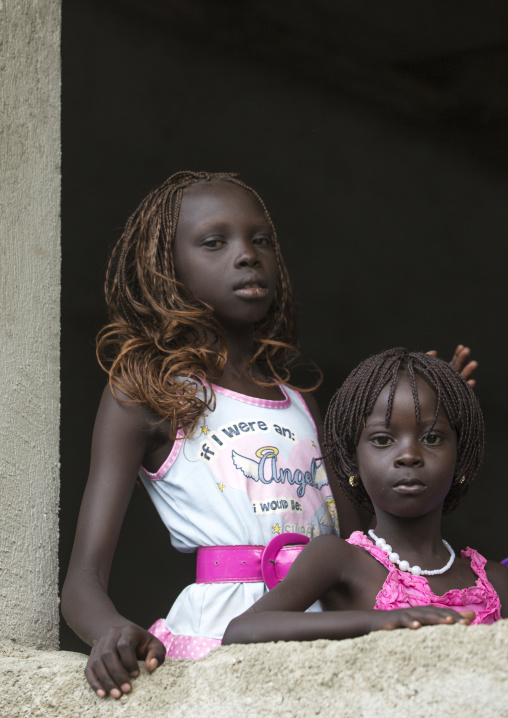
<point>437,671</point>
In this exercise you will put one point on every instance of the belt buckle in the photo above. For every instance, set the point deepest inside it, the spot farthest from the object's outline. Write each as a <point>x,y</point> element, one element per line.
<point>271,552</point>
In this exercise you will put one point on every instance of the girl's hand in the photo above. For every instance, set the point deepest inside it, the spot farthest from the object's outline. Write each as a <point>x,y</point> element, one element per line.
<point>113,659</point>
<point>417,617</point>
<point>460,362</point>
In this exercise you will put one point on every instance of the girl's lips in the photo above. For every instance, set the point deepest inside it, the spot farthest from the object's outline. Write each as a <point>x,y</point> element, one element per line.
<point>252,291</point>
<point>409,487</point>
<point>251,287</point>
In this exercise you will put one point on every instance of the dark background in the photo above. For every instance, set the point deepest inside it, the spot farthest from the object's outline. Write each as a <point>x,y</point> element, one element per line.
<point>377,133</point>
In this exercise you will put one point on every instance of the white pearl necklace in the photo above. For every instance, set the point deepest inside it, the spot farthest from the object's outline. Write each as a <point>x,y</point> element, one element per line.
<point>404,565</point>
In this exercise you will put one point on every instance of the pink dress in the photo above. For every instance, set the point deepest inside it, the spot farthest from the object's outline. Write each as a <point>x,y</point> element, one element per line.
<point>403,590</point>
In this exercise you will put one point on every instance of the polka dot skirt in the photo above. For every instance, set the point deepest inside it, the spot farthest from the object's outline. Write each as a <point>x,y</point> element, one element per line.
<point>182,646</point>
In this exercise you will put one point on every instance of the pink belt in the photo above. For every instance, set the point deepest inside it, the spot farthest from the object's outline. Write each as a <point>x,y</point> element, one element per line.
<point>249,564</point>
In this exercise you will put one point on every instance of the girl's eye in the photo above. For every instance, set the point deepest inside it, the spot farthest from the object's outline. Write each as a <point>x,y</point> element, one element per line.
<point>213,243</point>
<point>431,439</point>
<point>382,440</point>
<point>263,241</point>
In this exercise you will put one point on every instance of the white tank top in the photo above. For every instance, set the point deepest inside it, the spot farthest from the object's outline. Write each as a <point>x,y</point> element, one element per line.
<point>251,471</point>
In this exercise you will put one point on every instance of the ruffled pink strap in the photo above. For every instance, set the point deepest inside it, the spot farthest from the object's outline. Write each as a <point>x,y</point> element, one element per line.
<point>483,597</point>
<point>358,538</point>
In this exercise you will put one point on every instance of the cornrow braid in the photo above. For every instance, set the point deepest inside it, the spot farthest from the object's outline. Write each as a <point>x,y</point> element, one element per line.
<point>354,402</point>
<point>158,332</point>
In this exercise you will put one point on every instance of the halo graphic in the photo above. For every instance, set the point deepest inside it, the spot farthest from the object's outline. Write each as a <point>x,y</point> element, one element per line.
<point>267,451</point>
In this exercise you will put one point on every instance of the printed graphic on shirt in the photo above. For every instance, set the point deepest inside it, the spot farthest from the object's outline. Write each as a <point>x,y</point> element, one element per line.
<point>277,505</point>
<point>266,471</point>
<point>320,522</point>
<point>232,431</point>
<point>286,484</point>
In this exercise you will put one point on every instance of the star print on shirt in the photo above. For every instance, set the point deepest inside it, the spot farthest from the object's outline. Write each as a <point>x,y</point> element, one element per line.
<point>221,486</point>
<point>205,430</point>
<point>276,529</point>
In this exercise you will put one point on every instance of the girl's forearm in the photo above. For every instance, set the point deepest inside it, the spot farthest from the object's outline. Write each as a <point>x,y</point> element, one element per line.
<point>263,627</point>
<point>88,609</point>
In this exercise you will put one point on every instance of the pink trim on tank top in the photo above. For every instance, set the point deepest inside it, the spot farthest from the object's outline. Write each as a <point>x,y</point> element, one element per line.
<point>160,473</point>
<point>264,403</point>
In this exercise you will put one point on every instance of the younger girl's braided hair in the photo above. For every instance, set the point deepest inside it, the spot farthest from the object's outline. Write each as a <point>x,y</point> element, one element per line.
<point>163,346</point>
<point>354,401</point>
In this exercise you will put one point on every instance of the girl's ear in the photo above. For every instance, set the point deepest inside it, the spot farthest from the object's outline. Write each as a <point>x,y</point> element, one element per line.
<point>354,467</point>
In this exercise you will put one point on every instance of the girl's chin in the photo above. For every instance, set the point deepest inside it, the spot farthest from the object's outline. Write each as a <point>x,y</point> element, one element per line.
<point>409,510</point>
<point>243,321</point>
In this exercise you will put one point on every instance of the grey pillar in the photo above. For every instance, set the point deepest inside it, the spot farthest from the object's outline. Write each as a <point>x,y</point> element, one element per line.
<point>29,319</point>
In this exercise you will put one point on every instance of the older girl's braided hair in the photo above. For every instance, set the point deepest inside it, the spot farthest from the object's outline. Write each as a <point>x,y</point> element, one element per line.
<point>355,400</point>
<point>163,346</point>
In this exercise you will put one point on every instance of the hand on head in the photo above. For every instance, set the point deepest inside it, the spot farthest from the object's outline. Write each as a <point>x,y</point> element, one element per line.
<point>460,362</point>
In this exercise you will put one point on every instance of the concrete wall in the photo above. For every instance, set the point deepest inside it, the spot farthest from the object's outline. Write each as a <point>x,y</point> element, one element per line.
<point>29,320</point>
<point>442,671</point>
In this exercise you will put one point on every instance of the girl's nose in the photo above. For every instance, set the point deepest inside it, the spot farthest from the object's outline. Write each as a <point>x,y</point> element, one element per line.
<point>410,455</point>
<point>247,255</point>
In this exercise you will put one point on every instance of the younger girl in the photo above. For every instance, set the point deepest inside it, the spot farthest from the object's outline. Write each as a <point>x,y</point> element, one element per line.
<point>405,434</point>
<point>202,333</point>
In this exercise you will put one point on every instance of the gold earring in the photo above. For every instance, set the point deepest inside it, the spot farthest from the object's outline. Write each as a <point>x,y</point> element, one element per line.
<point>462,479</point>
<point>353,481</point>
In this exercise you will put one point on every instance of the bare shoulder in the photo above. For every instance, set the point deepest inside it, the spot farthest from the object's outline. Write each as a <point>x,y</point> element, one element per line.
<point>121,431</point>
<point>326,542</point>
<point>496,571</point>
<point>323,544</point>
<point>331,543</point>
<point>328,570</point>
<point>329,550</point>
<point>116,408</point>
<point>315,571</point>
<point>498,576</point>
<point>116,404</point>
